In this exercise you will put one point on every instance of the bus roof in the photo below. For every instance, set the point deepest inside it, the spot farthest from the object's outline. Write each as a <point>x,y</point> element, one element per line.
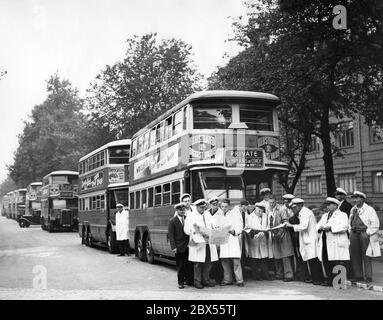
<point>115,143</point>
<point>63,172</point>
<point>118,185</point>
<point>211,94</point>
<point>36,184</point>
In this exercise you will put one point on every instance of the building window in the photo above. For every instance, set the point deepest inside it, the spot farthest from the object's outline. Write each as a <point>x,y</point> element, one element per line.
<point>212,116</point>
<point>314,185</point>
<point>345,134</point>
<point>347,182</point>
<point>138,200</point>
<point>376,134</point>
<point>377,180</point>
<point>256,118</point>
<point>314,144</point>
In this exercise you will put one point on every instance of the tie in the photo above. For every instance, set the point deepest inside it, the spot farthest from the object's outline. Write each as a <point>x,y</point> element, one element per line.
<point>271,221</point>
<point>183,221</point>
<point>243,218</point>
<point>329,216</point>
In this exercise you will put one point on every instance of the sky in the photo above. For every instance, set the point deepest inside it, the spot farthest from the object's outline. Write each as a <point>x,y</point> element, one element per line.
<point>77,38</point>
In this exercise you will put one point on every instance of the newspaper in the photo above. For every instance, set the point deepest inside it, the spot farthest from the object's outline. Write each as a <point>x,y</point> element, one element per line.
<point>216,236</point>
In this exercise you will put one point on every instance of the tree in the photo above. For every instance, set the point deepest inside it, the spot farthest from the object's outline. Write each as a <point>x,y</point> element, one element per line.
<point>53,138</point>
<point>319,71</point>
<point>7,185</point>
<point>153,77</point>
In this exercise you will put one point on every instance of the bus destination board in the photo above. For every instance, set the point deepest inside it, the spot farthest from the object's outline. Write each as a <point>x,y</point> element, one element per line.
<point>244,158</point>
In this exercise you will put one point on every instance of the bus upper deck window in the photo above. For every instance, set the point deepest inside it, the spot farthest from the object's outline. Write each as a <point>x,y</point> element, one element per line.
<point>256,118</point>
<point>212,116</point>
<point>177,128</point>
<point>152,137</point>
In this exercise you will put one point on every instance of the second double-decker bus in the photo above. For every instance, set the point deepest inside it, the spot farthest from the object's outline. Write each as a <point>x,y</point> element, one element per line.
<point>214,143</point>
<point>59,201</point>
<point>32,205</point>
<point>103,183</point>
<point>19,197</point>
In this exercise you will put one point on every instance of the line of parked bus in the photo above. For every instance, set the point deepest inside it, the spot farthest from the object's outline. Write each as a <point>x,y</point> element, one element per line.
<point>214,143</point>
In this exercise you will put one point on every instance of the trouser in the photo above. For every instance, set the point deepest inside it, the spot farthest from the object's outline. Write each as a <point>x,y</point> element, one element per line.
<point>271,267</point>
<point>259,269</point>
<point>202,270</point>
<point>358,247</point>
<point>284,268</point>
<point>184,268</point>
<point>230,266</point>
<point>242,245</point>
<point>217,272</point>
<point>315,270</point>
<point>124,246</point>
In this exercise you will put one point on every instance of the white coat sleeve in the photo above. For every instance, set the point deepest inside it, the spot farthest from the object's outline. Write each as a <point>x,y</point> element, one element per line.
<point>237,224</point>
<point>340,224</point>
<point>188,227</point>
<point>374,222</point>
<point>303,224</point>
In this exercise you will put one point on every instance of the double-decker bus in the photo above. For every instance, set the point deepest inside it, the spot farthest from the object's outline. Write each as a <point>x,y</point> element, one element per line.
<point>59,201</point>
<point>32,205</point>
<point>19,203</point>
<point>214,143</point>
<point>8,204</point>
<point>103,183</point>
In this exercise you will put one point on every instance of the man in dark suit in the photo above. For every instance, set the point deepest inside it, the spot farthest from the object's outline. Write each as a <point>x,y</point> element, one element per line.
<point>179,244</point>
<point>345,206</point>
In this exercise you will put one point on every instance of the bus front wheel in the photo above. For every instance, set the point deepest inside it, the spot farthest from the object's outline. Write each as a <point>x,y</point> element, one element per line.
<point>149,250</point>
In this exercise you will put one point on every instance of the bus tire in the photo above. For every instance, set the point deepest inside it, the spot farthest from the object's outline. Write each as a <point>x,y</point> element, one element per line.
<point>149,250</point>
<point>111,241</point>
<point>50,227</point>
<point>141,249</point>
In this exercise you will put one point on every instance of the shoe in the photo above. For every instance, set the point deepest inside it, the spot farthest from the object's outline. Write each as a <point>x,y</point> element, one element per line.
<point>288,279</point>
<point>181,286</point>
<point>190,284</point>
<point>368,280</point>
<point>241,284</point>
<point>317,283</point>
<point>199,286</point>
<point>226,284</point>
<point>308,281</point>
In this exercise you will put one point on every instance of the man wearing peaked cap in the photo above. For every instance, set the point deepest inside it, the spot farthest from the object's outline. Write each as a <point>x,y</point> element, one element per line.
<point>332,228</point>
<point>179,244</point>
<point>266,194</point>
<point>364,242</point>
<point>201,253</point>
<point>122,229</point>
<point>307,238</point>
<point>185,198</point>
<point>344,206</point>
<point>288,196</point>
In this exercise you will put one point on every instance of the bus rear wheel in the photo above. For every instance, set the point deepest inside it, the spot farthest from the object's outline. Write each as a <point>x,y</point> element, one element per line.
<point>149,250</point>
<point>141,250</point>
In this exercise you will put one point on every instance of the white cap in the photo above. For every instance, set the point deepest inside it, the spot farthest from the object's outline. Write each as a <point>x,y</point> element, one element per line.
<point>296,201</point>
<point>333,200</point>
<point>288,196</point>
<point>264,190</point>
<point>213,199</point>
<point>342,191</point>
<point>179,205</point>
<point>119,205</point>
<point>359,194</point>
<point>184,195</point>
<point>200,202</point>
<point>260,205</point>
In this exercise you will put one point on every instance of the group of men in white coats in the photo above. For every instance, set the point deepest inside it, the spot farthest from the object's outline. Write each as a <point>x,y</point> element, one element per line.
<point>286,235</point>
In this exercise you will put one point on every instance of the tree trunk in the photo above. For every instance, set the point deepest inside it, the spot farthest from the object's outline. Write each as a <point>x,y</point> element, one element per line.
<point>327,156</point>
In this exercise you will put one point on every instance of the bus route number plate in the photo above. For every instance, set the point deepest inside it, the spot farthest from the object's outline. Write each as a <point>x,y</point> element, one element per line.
<point>244,158</point>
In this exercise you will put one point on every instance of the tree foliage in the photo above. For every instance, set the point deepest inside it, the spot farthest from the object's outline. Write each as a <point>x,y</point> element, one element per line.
<point>53,138</point>
<point>291,49</point>
<point>153,77</point>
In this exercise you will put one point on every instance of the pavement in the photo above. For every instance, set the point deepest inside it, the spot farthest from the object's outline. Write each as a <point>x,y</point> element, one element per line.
<point>38,265</point>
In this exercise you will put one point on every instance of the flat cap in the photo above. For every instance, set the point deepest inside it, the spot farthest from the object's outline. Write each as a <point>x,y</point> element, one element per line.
<point>296,201</point>
<point>213,199</point>
<point>341,191</point>
<point>200,202</point>
<point>184,195</point>
<point>288,196</point>
<point>333,200</point>
<point>180,205</point>
<point>359,194</point>
<point>264,190</point>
